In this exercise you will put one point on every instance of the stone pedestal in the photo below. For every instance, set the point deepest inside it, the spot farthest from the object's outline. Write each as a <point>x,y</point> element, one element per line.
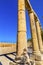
<point>22,60</point>
<point>38,63</point>
<point>39,36</point>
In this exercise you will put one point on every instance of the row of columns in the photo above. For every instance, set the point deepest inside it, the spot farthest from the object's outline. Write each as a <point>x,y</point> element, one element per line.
<point>35,30</point>
<point>36,33</point>
<point>39,35</point>
<point>33,33</point>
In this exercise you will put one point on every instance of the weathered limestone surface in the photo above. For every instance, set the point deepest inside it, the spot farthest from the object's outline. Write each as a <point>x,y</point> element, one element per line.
<point>38,63</point>
<point>22,39</point>
<point>34,34</point>
<point>39,36</point>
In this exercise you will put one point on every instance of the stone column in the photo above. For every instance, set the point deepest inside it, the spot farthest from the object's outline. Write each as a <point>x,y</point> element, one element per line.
<point>39,35</point>
<point>33,33</point>
<point>22,39</point>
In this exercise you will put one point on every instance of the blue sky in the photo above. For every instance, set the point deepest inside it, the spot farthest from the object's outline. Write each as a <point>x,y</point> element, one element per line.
<point>8,19</point>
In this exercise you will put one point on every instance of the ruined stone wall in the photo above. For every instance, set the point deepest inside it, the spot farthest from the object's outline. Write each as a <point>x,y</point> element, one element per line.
<point>10,47</point>
<point>7,48</point>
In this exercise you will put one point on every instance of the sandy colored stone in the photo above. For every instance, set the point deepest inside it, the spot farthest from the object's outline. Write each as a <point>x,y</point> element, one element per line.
<point>21,4</point>
<point>34,33</point>
<point>22,39</point>
<point>39,36</point>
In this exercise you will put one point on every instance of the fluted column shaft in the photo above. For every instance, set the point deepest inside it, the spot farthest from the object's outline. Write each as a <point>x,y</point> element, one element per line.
<point>39,36</point>
<point>34,34</point>
<point>22,39</point>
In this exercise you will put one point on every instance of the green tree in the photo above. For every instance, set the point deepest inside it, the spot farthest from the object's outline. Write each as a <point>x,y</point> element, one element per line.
<point>29,40</point>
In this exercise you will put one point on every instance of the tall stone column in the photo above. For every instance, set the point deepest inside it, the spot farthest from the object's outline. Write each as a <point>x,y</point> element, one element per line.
<point>39,35</point>
<point>22,39</point>
<point>33,32</point>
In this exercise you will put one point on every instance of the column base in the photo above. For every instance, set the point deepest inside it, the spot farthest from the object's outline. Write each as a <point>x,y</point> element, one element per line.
<point>38,63</point>
<point>37,55</point>
<point>36,52</point>
<point>22,60</point>
<point>41,50</point>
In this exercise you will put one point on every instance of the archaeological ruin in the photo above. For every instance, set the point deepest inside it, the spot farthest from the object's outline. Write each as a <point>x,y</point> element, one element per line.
<point>24,53</point>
